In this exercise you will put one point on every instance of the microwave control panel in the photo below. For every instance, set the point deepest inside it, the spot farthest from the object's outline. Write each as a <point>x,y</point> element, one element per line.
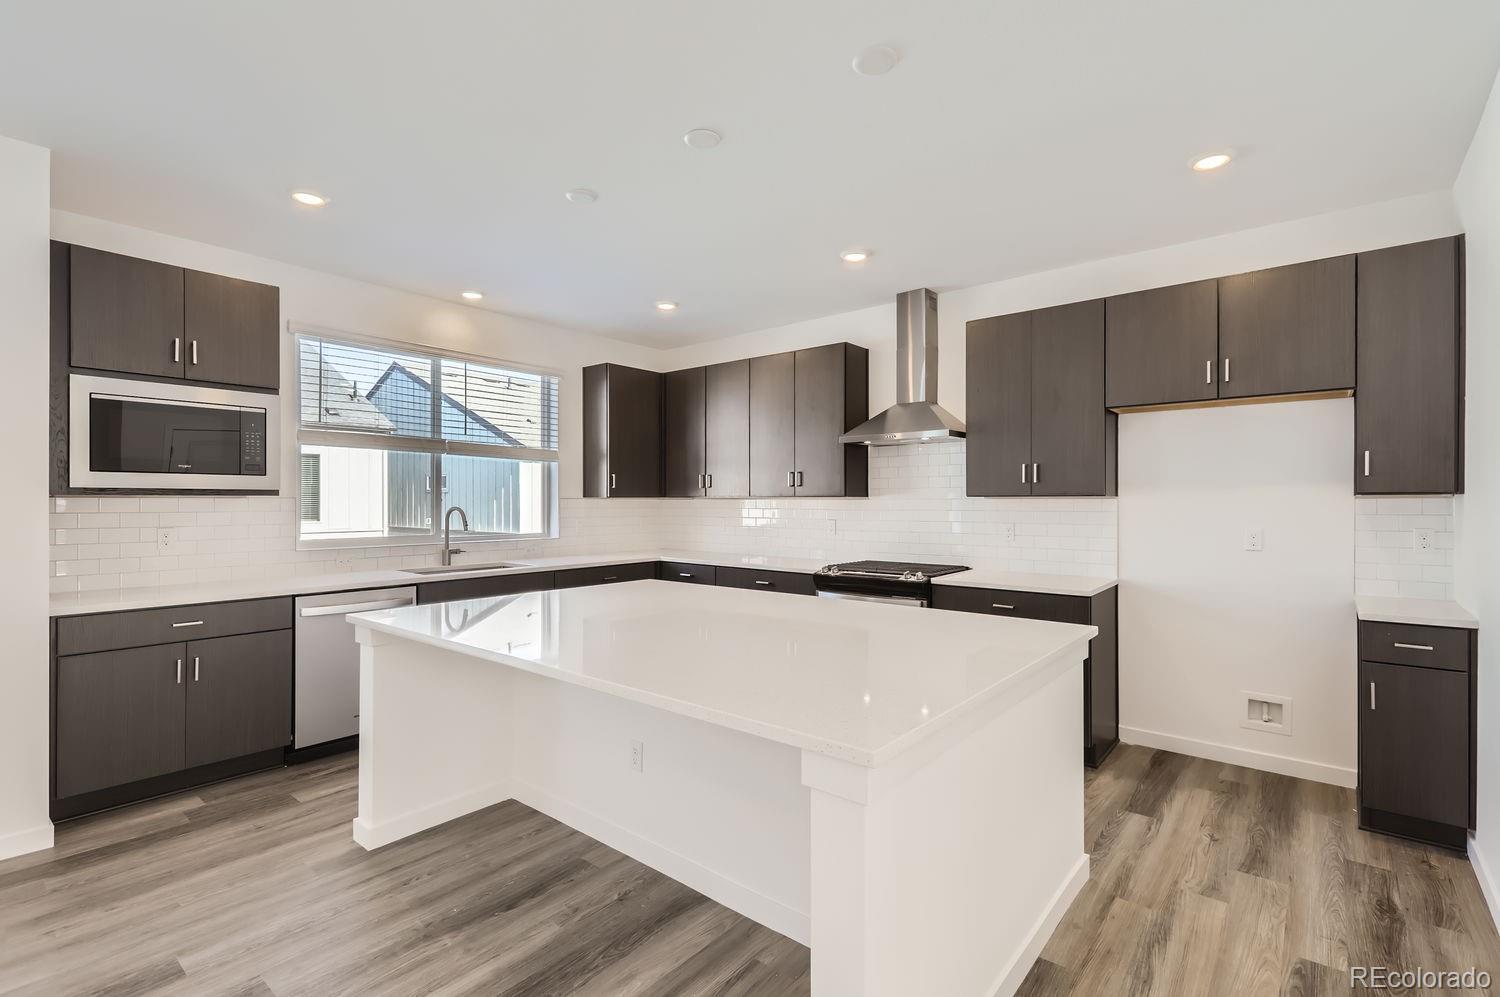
<point>252,441</point>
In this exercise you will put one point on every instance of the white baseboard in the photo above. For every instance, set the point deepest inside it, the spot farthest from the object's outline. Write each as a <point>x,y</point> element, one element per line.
<point>32,839</point>
<point>372,836</point>
<point>1334,775</point>
<point>1488,885</point>
<point>1015,973</point>
<point>795,924</point>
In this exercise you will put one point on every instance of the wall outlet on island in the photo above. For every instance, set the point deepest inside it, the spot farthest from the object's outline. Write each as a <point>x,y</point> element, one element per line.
<point>166,539</point>
<point>637,756</point>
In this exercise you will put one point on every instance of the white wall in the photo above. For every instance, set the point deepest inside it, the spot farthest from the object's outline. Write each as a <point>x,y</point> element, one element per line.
<point>24,194</point>
<point>1477,194</point>
<point>1202,620</point>
<point>1327,753</point>
<point>309,297</point>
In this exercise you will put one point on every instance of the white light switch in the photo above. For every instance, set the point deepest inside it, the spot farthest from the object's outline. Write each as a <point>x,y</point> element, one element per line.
<point>1255,539</point>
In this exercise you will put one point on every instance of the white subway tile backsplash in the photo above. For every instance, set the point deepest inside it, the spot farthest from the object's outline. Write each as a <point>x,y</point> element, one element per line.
<point>1386,558</point>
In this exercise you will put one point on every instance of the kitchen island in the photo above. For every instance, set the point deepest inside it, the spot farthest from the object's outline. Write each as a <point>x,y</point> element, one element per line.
<point>898,788</point>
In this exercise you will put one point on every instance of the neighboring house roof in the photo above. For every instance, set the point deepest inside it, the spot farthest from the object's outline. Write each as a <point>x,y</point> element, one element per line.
<point>396,378</point>
<point>344,405</point>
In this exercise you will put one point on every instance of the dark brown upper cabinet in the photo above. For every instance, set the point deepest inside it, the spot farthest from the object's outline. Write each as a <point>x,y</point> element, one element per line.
<point>1037,424</point>
<point>773,447</point>
<point>684,431</point>
<point>1161,345</point>
<point>1287,330</point>
<point>832,388</point>
<point>622,432</point>
<point>125,314</point>
<point>1409,406</point>
<point>727,429</point>
<point>230,330</point>
<point>133,316</point>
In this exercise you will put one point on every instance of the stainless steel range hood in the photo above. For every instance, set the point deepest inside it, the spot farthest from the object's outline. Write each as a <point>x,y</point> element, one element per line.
<point>916,417</point>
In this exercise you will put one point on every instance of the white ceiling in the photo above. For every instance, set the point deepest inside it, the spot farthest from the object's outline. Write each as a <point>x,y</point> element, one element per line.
<point>1013,137</point>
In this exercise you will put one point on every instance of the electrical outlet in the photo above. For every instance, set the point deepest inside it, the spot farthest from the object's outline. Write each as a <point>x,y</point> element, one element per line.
<point>166,539</point>
<point>638,756</point>
<point>1255,539</point>
<point>1007,533</point>
<point>343,559</point>
<point>1423,539</point>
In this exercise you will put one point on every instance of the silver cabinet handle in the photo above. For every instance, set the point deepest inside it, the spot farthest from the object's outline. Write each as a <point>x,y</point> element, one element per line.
<point>611,578</point>
<point>611,480</point>
<point>176,350</point>
<point>1372,695</point>
<point>1226,370</point>
<point>701,483</point>
<point>312,612</point>
<point>791,479</point>
<point>195,668</point>
<point>1000,605</point>
<point>761,581</point>
<point>1034,478</point>
<point>710,478</point>
<point>1208,372</point>
<point>801,481</point>
<point>179,671</point>
<point>1367,463</point>
<point>189,623</point>
<point>195,352</point>
<point>684,574</point>
<point>1415,647</point>
<point>1023,474</point>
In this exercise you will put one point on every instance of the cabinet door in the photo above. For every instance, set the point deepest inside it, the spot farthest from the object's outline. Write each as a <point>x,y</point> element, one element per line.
<point>1408,408</point>
<point>119,717</point>
<point>728,429</point>
<point>1072,435</point>
<point>1161,344</point>
<point>634,432</point>
<point>125,314</point>
<point>998,420</point>
<point>1287,329</point>
<point>772,424</point>
<point>1414,742</point>
<point>231,330</point>
<point>684,458</point>
<point>819,392</point>
<point>456,589</point>
<point>239,695</point>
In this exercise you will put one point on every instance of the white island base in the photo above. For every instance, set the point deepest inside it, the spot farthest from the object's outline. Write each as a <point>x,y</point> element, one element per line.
<point>931,860</point>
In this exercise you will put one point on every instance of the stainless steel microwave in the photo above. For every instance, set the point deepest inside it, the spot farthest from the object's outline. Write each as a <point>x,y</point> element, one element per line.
<point>132,434</point>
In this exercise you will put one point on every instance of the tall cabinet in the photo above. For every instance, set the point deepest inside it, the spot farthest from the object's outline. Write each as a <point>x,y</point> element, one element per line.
<point>1037,424</point>
<point>622,453</point>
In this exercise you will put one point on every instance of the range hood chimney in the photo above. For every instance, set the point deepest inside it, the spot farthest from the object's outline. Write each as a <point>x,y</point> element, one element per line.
<point>916,417</point>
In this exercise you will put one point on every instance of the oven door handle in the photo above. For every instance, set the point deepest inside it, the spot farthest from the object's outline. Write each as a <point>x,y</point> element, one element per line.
<point>890,600</point>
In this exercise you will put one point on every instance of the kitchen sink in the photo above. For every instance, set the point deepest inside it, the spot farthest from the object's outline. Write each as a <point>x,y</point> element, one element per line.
<point>449,569</point>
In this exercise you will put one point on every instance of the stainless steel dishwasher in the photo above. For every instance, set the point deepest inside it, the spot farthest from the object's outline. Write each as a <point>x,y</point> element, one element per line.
<point>326,707</point>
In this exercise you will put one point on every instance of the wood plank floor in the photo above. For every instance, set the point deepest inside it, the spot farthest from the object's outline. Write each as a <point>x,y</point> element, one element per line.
<point>1207,879</point>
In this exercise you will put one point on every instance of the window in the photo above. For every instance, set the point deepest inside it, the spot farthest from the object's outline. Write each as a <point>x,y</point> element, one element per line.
<point>390,437</point>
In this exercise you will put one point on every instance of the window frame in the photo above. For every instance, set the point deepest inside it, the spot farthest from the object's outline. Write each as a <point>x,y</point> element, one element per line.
<point>435,447</point>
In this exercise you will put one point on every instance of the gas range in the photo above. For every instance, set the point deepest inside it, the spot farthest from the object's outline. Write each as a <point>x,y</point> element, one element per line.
<point>901,582</point>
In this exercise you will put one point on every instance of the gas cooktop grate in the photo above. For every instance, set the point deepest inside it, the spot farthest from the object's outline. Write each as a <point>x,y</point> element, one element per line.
<point>898,568</point>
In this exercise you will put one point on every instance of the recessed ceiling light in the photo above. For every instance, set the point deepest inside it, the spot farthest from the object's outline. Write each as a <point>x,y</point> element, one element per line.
<point>875,60</point>
<point>855,255</point>
<point>582,195</point>
<point>310,198</point>
<point>1212,162</point>
<point>666,306</point>
<point>702,138</point>
<point>473,295</point>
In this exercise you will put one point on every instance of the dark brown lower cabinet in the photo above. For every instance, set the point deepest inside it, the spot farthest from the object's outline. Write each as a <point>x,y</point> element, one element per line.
<point>681,571</point>
<point>239,696</point>
<point>605,575</point>
<point>794,582</point>
<point>130,723</point>
<point>1101,669</point>
<point>1416,732</point>
<point>119,717</point>
<point>455,589</point>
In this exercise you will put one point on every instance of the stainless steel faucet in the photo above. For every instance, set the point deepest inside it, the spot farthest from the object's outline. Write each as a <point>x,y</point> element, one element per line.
<point>463,517</point>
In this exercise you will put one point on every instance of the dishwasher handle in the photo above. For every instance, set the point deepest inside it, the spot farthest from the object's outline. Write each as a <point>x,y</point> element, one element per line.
<point>310,612</point>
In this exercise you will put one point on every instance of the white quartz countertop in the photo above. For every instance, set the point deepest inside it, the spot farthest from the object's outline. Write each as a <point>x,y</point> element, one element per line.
<point>987,578</point>
<point>149,597</point>
<point>1420,612</point>
<point>857,681</point>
